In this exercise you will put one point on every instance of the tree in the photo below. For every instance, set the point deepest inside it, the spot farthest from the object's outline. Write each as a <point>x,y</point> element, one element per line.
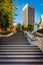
<point>22,27</point>
<point>18,27</point>
<point>30,27</point>
<point>4,21</point>
<point>6,12</point>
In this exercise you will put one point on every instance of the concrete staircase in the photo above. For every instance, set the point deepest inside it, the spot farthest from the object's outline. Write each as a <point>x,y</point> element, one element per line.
<point>20,55</point>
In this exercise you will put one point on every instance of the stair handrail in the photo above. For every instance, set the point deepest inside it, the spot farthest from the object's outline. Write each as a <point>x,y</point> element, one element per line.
<point>40,43</point>
<point>36,39</point>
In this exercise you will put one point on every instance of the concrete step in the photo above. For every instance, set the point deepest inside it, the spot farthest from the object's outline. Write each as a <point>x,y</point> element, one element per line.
<point>19,48</point>
<point>20,64</point>
<point>28,50</point>
<point>21,53</point>
<point>21,61</point>
<point>21,56</point>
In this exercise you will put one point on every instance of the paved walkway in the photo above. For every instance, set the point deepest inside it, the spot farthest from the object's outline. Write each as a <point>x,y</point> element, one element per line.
<point>18,39</point>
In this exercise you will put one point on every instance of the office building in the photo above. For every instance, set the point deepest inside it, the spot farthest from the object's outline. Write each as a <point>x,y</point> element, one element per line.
<point>28,15</point>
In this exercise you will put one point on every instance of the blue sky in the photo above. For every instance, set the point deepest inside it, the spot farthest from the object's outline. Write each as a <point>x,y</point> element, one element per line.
<point>37,4</point>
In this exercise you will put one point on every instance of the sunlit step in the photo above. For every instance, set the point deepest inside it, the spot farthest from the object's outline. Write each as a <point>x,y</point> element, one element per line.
<point>19,50</point>
<point>21,60</point>
<point>18,46</point>
<point>22,56</point>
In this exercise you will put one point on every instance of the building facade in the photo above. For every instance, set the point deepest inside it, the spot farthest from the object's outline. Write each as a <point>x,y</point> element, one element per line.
<point>28,15</point>
<point>41,20</point>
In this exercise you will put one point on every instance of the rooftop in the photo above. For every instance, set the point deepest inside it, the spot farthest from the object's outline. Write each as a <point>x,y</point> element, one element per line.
<point>27,6</point>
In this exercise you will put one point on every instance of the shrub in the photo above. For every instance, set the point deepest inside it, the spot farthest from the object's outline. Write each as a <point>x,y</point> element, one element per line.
<point>6,32</point>
<point>30,27</point>
<point>40,31</point>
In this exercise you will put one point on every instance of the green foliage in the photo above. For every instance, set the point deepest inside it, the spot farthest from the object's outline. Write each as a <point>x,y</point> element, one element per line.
<point>30,27</point>
<point>6,32</point>
<point>4,21</point>
<point>6,13</point>
<point>18,27</point>
<point>26,29</point>
<point>22,27</point>
<point>40,31</point>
